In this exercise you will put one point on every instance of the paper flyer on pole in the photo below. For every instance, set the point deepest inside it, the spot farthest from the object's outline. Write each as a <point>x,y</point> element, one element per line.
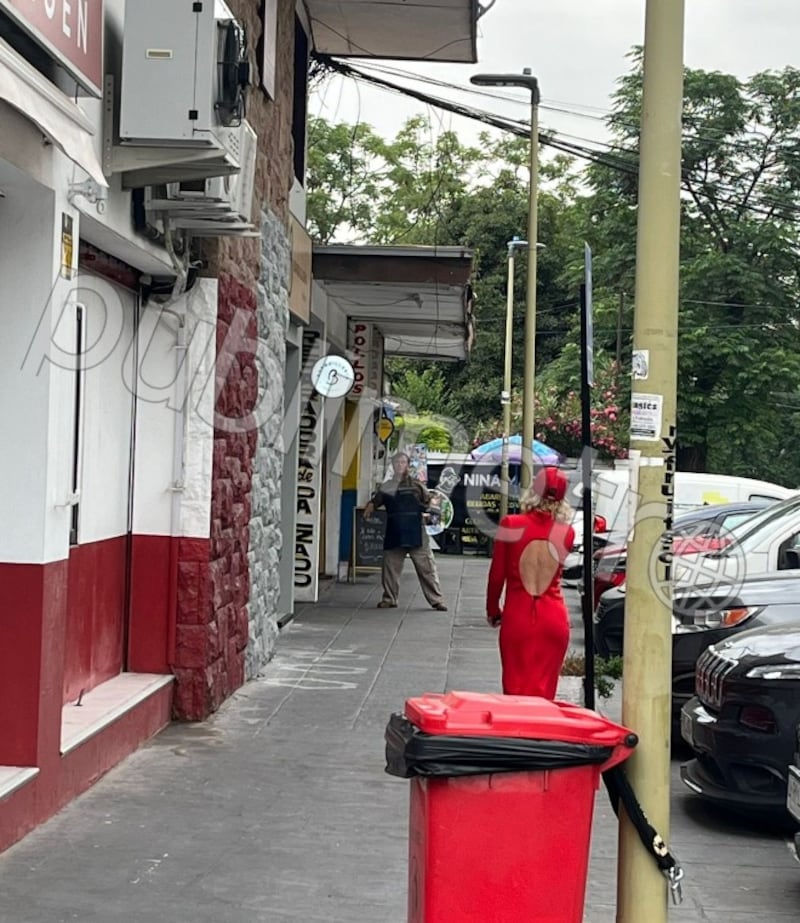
<point>646,416</point>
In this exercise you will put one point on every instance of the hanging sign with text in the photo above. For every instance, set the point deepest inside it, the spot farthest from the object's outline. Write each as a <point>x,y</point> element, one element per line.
<point>71,31</point>
<point>309,477</point>
<point>360,349</point>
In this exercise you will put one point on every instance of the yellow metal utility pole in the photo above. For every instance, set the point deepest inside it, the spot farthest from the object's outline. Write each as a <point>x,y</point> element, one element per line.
<point>529,380</point>
<point>642,889</point>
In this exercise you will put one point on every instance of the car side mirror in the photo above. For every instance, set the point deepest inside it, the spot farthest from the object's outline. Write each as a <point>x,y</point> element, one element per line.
<point>791,559</point>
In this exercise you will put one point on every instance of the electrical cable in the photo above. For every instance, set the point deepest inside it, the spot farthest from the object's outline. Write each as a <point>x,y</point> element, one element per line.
<point>549,138</point>
<point>606,115</point>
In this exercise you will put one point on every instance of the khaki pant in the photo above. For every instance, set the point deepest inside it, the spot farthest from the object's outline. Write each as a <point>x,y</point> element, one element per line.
<point>425,566</point>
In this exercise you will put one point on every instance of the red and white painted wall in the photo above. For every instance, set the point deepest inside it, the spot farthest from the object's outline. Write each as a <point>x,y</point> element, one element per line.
<point>149,468</point>
<point>107,410</point>
<point>102,496</point>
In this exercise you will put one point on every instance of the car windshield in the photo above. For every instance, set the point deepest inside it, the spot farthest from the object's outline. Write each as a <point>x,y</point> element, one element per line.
<point>749,532</point>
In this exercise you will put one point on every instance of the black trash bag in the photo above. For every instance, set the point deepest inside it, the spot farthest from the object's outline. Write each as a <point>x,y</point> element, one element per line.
<point>410,752</point>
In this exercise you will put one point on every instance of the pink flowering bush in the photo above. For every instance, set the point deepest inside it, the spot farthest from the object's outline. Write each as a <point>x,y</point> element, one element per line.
<point>558,417</point>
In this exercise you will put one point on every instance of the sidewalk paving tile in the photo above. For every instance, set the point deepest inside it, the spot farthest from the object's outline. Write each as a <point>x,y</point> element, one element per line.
<point>278,809</point>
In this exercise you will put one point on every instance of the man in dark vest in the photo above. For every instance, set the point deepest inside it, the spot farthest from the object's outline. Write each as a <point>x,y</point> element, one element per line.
<point>405,501</point>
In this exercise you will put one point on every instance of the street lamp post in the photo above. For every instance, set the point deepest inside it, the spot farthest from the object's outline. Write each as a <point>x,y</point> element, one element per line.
<point>505,397</point>
<point>527,81</point>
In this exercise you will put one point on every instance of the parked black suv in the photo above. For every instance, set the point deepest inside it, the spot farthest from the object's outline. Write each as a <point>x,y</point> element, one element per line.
<point>704,617</point>
<point>742,723</point>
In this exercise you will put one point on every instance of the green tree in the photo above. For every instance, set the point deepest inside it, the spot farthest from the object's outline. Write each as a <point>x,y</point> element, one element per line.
<point>739,355</point>
<point>344,177</point>
<point>484,221</point>
<point>364,188</point>
<point>738,339</point>
<point>558,408</point>
<point>424,389</point>
<point>423,189</point>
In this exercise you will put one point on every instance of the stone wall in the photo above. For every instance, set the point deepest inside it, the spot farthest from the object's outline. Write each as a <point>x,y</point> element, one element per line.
<point>265,523</point>
<point>239,601</point>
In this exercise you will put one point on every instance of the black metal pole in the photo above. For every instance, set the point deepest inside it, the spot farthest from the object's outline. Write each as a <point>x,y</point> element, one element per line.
<point>587,597</point>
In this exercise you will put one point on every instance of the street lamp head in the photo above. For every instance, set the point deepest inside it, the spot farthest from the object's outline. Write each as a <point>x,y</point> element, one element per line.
<point>517,244</point>
<point>526,80</point>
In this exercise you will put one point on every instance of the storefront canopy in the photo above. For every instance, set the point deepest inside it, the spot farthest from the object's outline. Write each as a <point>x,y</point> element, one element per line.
<point>419,298</point>
<point>441,30</point>
<point>54,114</point>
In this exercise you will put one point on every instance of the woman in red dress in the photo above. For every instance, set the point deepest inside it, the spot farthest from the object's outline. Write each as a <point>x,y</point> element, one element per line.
<point>529,552</point>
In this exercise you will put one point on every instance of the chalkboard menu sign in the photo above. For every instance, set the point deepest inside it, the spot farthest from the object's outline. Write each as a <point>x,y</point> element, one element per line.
<point>368,540</point>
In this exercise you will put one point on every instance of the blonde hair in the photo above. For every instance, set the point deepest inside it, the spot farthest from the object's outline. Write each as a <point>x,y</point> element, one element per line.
<point>560,510</point>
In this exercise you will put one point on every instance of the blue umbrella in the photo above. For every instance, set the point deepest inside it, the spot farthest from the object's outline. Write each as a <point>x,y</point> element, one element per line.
<point>492,452</point>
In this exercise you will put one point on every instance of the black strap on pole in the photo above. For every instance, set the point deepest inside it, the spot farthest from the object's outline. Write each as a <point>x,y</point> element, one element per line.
<point>619,789</point>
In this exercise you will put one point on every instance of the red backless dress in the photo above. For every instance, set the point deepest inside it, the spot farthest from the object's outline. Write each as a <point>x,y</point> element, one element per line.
<point>534,630</point>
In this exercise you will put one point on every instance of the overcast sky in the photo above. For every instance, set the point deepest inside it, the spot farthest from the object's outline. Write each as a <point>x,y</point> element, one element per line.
<point>577,50</point>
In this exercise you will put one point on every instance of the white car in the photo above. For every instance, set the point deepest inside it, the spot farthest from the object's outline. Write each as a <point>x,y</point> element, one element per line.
<point>767,541</point>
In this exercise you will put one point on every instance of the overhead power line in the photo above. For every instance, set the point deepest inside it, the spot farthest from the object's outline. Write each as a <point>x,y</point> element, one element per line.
<point>623,162</point>
<point>594,113</point>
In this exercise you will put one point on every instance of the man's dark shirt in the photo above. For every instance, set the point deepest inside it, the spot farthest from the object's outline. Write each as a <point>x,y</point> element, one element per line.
<point>405,501</point>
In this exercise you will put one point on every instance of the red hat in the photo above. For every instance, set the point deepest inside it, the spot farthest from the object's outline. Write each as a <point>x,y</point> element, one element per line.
<point>550,484</point>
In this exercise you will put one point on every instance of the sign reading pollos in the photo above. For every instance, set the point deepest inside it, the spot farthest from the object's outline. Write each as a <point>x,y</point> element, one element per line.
<point>71,31</point>
<point>360,347</point>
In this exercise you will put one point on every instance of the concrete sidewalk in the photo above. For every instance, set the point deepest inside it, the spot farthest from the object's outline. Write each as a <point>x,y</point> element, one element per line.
<point>278,809</point>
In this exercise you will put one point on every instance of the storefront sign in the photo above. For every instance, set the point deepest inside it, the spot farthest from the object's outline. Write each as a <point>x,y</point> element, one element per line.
<point>69,30</point>
<point>384,429</point>
<point>300,291</point>
<point>375,380</point>
<point>309,476</point>
<point>359,344</point>
<point>473,493</point>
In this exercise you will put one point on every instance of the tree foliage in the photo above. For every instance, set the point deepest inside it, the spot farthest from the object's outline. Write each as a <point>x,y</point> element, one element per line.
<point>424,389</point>
<point>364,188</point>
<point>738,338</point>
<point>738,346</point>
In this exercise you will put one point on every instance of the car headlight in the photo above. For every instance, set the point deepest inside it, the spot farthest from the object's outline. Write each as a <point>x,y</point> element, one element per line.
<point>725,618</point>
<point>775,671</point>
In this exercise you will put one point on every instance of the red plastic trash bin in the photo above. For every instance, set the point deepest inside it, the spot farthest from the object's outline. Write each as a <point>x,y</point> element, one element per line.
<point>503,845</point>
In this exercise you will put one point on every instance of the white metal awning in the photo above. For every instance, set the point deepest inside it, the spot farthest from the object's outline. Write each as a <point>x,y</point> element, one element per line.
<point>415,30</point>
<point>419,298</point>
<point>54,114</point>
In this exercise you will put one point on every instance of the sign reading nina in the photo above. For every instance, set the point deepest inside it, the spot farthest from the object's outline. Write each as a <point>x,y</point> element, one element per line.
<point>70,30</point>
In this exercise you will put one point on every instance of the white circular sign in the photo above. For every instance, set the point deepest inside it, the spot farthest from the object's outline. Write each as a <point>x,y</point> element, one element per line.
<point>333,376</point>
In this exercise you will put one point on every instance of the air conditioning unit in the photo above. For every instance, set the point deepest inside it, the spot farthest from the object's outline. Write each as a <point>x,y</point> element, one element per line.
<point>185,74</point>
<point>235,191</point>
<point>215,206</point>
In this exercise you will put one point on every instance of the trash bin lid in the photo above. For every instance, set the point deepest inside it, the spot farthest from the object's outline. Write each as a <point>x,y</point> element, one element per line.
<point>473,714</point>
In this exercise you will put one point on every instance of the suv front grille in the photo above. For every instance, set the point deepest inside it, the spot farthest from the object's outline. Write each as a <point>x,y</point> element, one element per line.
<point>712,670</point>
